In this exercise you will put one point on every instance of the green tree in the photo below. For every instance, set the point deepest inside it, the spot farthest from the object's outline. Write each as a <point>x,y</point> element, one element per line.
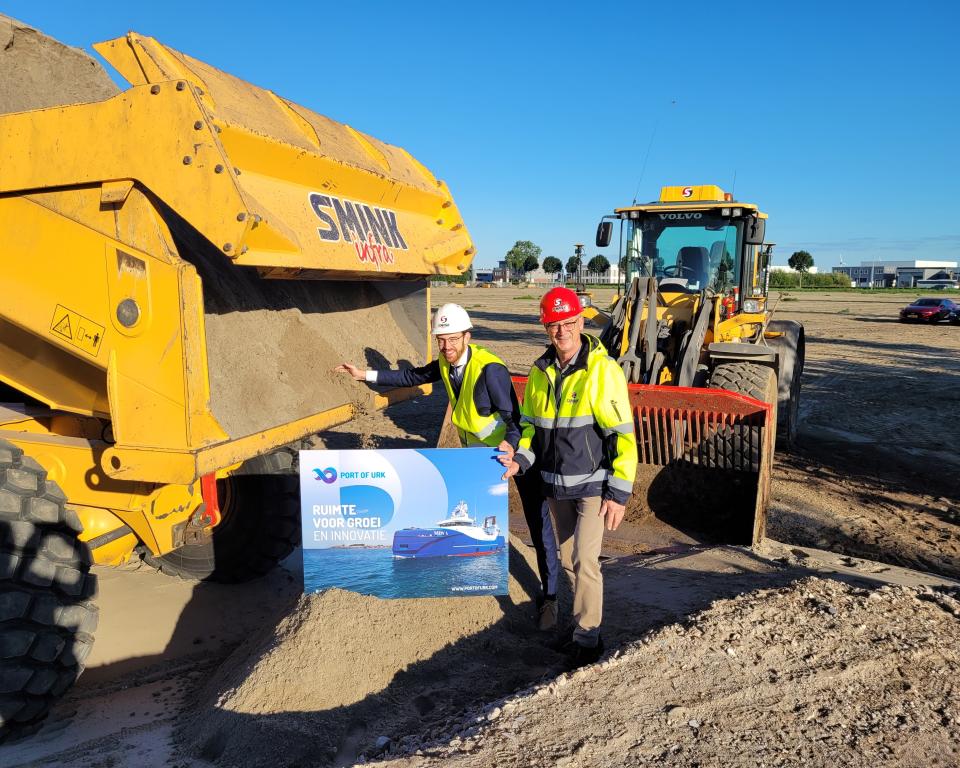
<point>523,254</point>
<point>800,262</point>
<point>573,265</point>
<point>552,265</point>
<point>598,264</point>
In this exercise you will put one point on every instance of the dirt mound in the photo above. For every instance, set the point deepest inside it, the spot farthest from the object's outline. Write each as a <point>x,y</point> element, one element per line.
<point>276,349</point>
<point>342,669</point>
<point>37,71</point>
<point>272,344</point>
<point>815,673</point>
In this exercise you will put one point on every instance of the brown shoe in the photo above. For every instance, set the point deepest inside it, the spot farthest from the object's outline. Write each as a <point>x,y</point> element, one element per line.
<point>548,615</point>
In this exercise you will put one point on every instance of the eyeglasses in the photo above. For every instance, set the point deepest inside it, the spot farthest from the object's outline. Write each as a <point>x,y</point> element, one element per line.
<point>449,341</point>
<point>554,328</point>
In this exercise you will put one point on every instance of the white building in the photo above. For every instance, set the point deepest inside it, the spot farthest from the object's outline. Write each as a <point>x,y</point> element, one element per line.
<point>540,277</point>
<point>611,277</point>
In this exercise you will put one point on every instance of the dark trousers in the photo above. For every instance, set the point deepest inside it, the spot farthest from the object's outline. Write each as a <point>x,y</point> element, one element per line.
<point>531,499</point>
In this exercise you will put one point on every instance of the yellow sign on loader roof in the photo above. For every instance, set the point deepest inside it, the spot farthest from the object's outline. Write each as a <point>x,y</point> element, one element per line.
<point>697,197</point>
<point>701,192</point>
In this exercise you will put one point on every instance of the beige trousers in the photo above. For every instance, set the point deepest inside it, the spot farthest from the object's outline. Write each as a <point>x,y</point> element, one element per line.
<point>579,530</point>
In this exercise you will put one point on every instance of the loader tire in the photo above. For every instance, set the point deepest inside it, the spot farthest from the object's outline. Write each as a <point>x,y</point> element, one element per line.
<point>791,346</point>
<point>740,447</point>
<point>788,424</point>
<point>47,618</point>
<point>259,527</point>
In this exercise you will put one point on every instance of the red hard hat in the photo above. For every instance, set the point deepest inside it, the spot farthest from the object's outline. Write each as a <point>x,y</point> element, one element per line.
<point>559,304</point>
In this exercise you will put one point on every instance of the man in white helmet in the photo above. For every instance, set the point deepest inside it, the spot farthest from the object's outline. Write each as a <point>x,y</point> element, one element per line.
<point>485,411</point>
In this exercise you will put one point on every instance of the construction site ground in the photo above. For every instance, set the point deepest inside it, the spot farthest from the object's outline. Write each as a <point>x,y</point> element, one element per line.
<point>835,642</point>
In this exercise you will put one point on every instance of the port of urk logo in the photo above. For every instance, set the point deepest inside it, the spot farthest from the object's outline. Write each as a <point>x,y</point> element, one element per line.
<point>328,475</point>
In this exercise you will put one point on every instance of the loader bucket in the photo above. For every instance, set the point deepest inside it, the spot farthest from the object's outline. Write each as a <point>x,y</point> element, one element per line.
<point>704,462</point>
<point>705,458</point>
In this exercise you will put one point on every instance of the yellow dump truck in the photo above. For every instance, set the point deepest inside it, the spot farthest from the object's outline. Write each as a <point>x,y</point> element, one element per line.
<point>181,265</point>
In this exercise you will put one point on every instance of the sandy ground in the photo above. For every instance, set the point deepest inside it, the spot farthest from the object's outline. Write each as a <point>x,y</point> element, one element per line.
<point>813,673</point>
<point>877,473</point>
<point>196,674</point>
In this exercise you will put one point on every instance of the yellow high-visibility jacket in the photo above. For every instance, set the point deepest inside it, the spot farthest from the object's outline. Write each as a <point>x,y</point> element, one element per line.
<point>578,425</point>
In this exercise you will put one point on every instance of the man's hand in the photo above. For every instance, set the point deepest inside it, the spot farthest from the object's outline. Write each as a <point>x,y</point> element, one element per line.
<point>512,469</point>
<point>505,456</point>
<point>613,513</point>
<point>351,370</point>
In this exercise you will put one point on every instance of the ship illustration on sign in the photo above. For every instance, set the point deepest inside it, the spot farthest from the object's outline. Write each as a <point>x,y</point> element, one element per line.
<point>457,536</point>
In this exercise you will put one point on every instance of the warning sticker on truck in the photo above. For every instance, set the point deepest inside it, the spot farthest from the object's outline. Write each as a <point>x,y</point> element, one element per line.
<point>77,329</point>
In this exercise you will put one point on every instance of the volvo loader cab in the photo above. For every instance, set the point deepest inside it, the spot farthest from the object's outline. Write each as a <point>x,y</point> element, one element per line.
<point>695,261</point>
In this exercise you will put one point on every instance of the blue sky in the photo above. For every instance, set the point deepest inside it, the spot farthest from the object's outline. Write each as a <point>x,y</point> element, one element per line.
<point>478,484</point>
<point>838,119</point>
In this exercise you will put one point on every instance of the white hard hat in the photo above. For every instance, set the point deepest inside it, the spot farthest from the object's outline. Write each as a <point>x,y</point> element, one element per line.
<point>451,318</point>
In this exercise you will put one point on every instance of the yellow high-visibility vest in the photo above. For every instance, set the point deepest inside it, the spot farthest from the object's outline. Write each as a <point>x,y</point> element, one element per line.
<point>474,429</point>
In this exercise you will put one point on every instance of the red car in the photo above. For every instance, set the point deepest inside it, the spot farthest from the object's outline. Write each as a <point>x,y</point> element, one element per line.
<point>930,310</point>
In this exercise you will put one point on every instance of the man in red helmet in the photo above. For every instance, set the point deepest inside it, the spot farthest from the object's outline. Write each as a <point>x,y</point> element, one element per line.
<point>484,410</point>
<point>578,427</point>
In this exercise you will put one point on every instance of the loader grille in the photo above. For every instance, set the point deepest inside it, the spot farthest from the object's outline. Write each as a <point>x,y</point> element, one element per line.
<point>709,428</point>
<point>704,461</point>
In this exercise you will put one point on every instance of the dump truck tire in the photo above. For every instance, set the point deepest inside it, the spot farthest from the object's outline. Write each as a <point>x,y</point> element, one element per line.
<point>260,526</point>
<point>47,618</point>
<point>740,447</point>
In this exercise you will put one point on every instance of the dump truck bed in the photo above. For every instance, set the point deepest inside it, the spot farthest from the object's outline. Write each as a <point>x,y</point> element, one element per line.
<point>199,256</point>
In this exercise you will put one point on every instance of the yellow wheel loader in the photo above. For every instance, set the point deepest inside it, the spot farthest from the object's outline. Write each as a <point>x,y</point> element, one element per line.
<point>181,264</point>
<point>712,374</point>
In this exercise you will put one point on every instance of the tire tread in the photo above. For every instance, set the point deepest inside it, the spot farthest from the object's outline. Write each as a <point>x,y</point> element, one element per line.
<point>45,594</point>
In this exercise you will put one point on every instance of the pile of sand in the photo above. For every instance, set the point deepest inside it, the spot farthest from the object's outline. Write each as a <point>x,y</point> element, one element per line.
<point>272,360</point>
<point>815,673</point>
<point>272,344</point>
<point>37,72</point>
<point>344,669</point>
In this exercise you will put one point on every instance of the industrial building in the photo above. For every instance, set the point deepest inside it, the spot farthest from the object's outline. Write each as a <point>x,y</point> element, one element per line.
<point>916,273</point>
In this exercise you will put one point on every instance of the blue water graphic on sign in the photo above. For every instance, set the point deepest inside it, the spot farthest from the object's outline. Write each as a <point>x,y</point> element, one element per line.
<point>376,572</point>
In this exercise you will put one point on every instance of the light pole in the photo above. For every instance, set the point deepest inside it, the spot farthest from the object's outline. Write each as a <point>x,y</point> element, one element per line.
<point>578,252</point>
